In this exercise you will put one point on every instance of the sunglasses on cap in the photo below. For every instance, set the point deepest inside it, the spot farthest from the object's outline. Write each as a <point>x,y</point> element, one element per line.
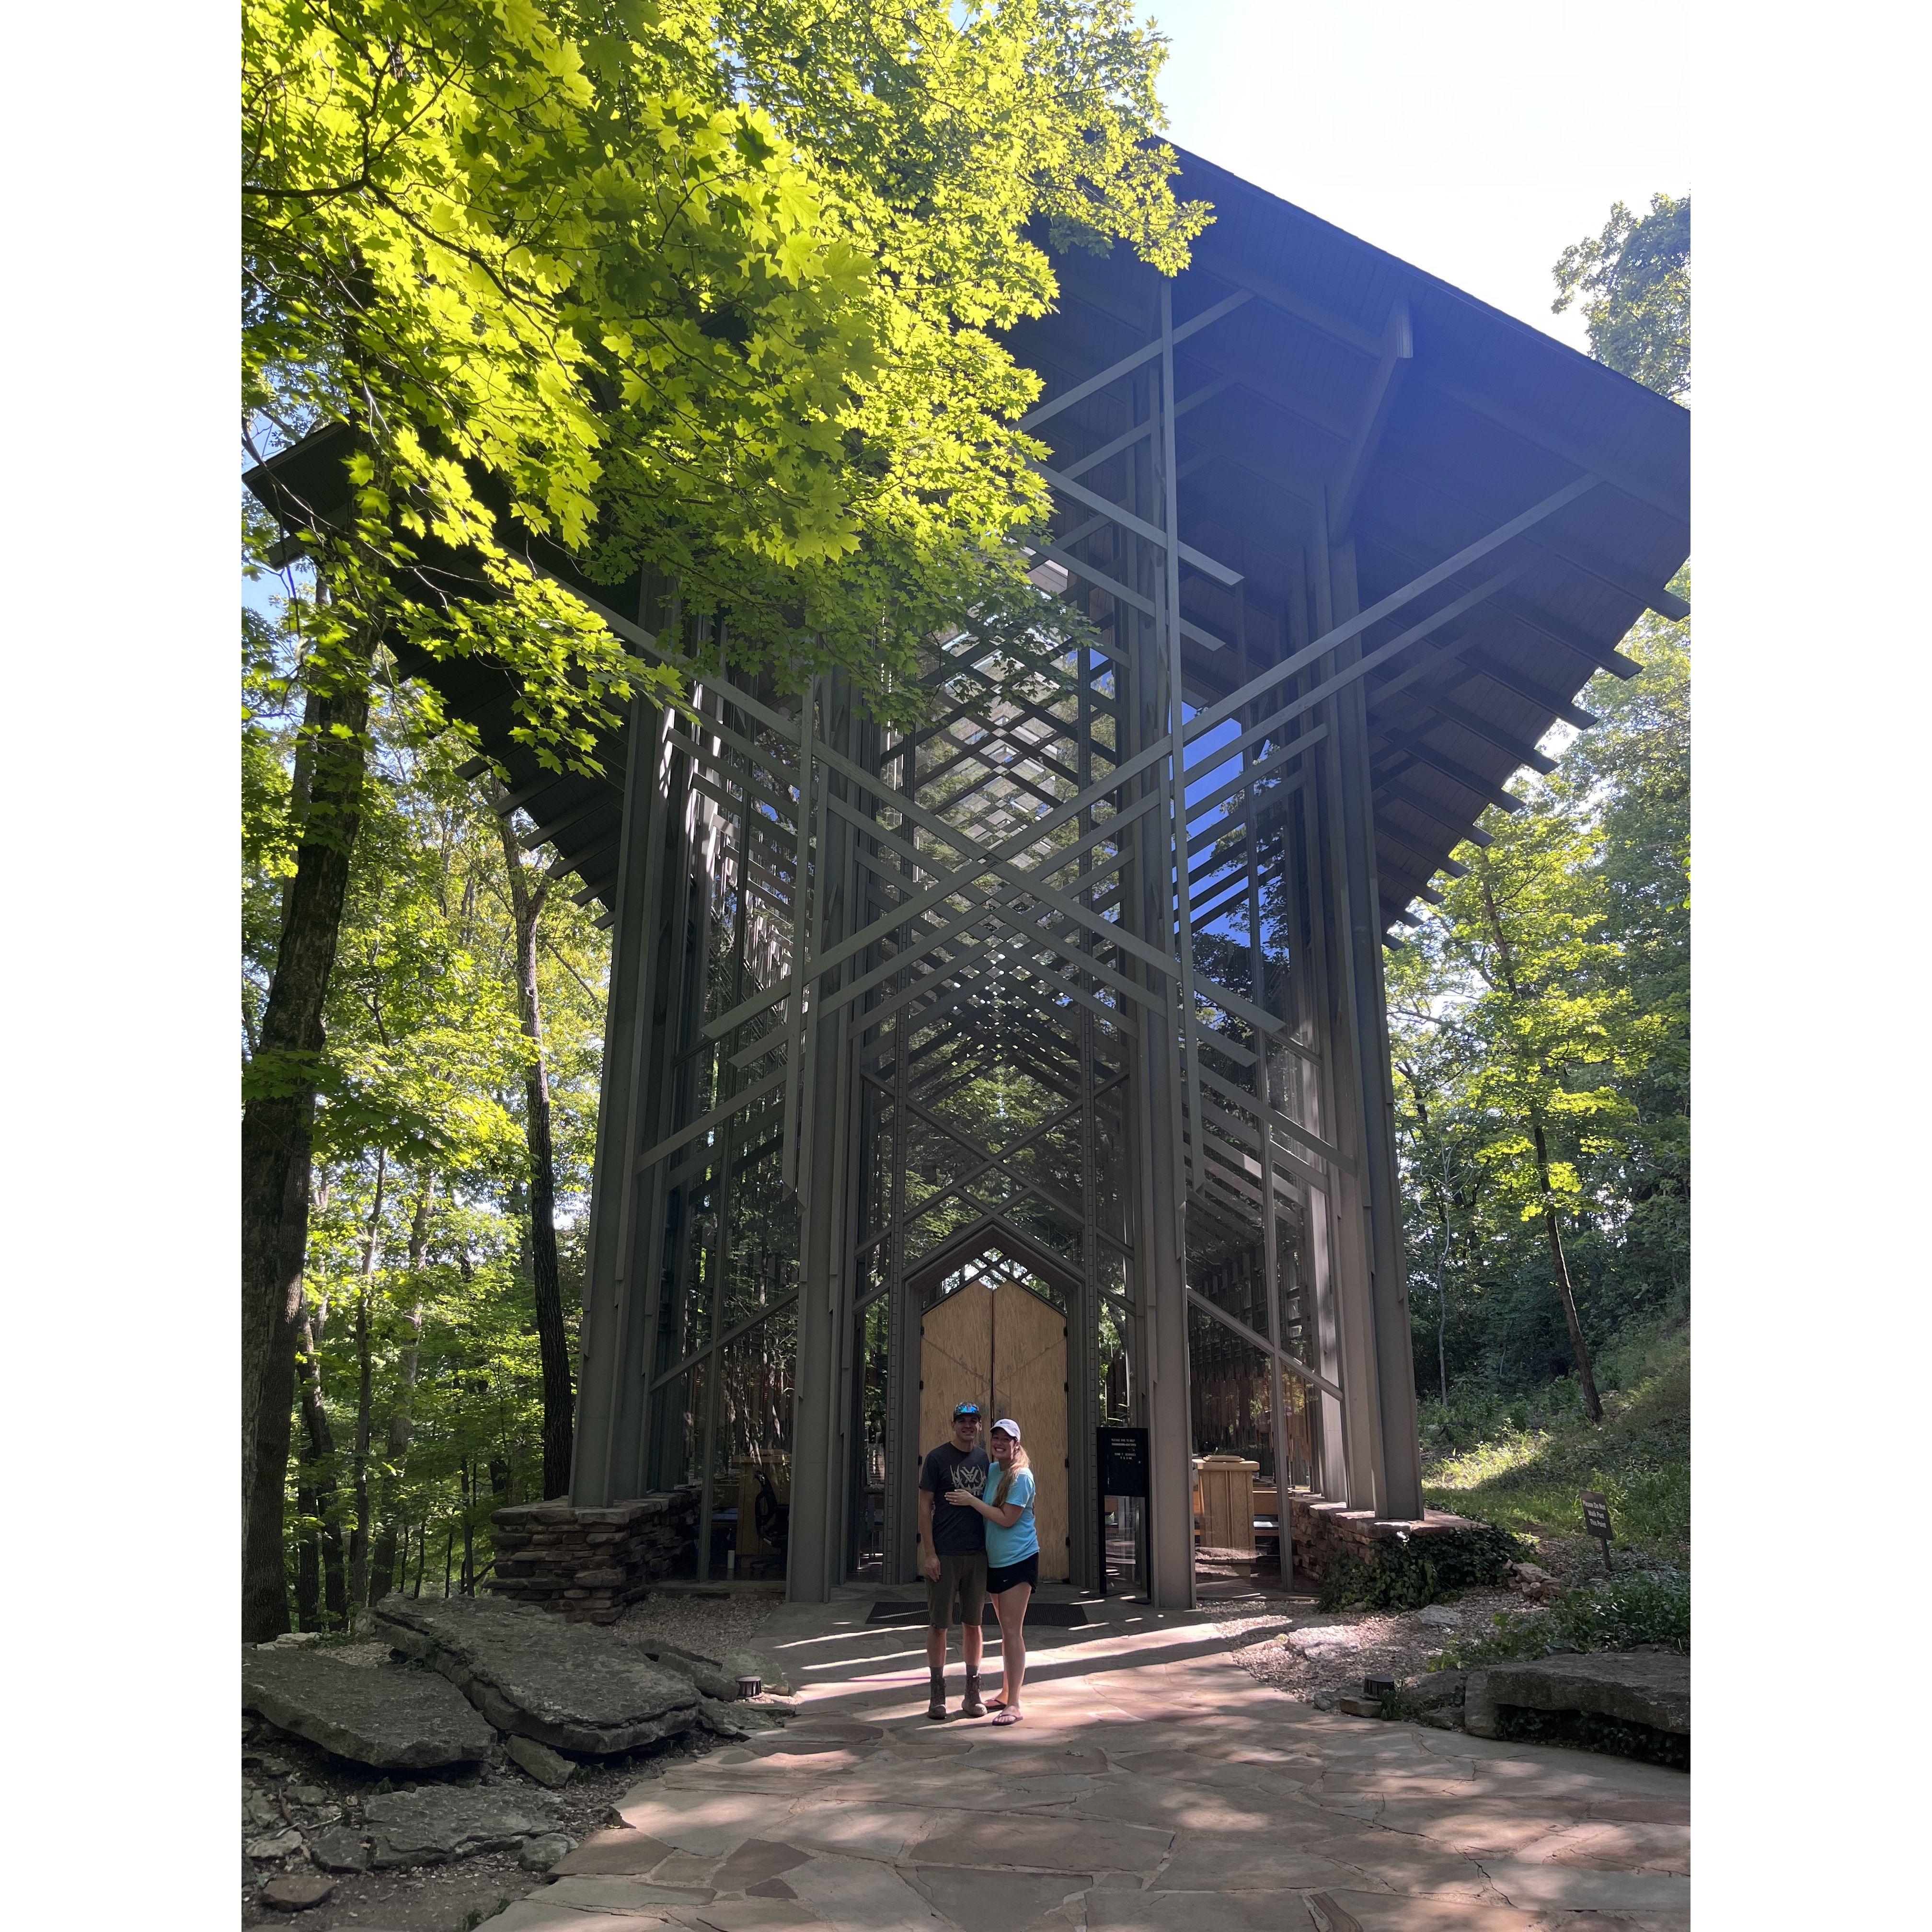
<point>971,1408</point>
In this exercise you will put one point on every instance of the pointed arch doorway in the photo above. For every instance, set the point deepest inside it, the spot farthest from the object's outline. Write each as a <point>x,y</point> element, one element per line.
<point>995,1331</point>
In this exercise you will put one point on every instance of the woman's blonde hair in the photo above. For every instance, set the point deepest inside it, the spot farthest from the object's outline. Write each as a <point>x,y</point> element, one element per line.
<point>1022,1460</point>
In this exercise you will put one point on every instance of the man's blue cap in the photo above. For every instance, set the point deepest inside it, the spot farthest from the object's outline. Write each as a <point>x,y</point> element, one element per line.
<point>967,1408</point>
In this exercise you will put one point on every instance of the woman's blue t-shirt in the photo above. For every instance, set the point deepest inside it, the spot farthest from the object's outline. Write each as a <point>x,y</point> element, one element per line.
<point>1011,1546</point>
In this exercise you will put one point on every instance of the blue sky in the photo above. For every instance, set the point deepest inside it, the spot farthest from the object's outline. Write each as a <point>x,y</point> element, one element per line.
<point>1475,139</point>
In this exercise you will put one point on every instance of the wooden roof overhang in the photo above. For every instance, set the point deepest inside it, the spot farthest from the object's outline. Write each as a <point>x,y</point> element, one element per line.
<point>1332,380</point>
<point>1323,377</point>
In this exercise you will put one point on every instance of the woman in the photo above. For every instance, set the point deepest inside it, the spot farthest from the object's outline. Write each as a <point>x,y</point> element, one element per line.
<point>1012,1556</point>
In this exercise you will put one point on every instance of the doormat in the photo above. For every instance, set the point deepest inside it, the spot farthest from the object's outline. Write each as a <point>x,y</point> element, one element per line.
<point>1047,1616</point>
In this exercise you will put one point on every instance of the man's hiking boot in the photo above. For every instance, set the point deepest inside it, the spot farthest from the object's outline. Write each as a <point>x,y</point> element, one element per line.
<point>935,1707</point>
<point>973,1706</point>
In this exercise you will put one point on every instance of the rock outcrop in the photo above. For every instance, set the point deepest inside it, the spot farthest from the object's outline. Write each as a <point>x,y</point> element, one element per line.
<point>567,1685</point>
<point>1649,1688</point>
<point>392,1716</point>
<point>435,1823</point>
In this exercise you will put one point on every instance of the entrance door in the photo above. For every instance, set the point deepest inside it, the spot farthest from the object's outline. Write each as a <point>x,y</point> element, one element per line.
<point>1004,1348</point>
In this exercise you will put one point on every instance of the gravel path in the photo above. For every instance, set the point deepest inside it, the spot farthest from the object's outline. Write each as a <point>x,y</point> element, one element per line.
<point>708,1625</point>
<point>1328,1653</point>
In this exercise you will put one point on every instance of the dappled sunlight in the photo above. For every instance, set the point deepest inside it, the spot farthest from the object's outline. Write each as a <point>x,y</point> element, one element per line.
<point>1152,1784</point>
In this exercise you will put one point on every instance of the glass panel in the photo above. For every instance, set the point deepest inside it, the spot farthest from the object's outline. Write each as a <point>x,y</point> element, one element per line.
<point>881,1150</point>
<point>1291,1237</point>
<point>1116,1391</point>
<point>868,1513</point>
<point>1237,1503</point>
<point>1228,1388</point>
<point>679,1408</point>
<point>752,1498</point>
<point>1227,1262</point>
<point>684,1322</point>
<point>1301,1425</point>
<point>761,1266</point>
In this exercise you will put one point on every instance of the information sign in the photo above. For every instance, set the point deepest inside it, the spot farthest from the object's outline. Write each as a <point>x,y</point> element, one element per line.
<point>1123,1461</point>
<point>1597,1519</point>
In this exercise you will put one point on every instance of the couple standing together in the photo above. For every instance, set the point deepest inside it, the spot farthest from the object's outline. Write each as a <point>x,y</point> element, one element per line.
<point>976,1524</point>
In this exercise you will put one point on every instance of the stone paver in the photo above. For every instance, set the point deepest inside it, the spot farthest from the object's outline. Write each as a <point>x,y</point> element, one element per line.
<point>1154,1787</point>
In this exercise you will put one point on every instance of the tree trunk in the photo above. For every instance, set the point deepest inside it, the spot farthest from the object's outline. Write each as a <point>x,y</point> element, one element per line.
<point>276,1120</point>
<point>1592,1406</point>
<point>358,1534</point>
<point>553,1342</point>
<point>308,1563</point>
<point>398,1444</point>
<point>1442,1293</point>
<point>469,1526</point>
<point>319,1456</point>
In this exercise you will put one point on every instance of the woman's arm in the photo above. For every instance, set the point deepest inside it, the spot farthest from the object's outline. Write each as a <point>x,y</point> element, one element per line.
<point>1005,1514</point>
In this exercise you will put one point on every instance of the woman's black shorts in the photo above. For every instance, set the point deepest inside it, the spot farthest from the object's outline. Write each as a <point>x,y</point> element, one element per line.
<point>1004,1576</point>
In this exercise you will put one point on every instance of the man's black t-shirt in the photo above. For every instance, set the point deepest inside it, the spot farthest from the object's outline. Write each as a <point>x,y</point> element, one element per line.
<point>955,1531</point>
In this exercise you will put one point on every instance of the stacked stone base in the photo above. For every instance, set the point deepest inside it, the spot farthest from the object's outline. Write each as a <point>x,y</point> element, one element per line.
<point>1323,1531</point>
<point>589,1564</point>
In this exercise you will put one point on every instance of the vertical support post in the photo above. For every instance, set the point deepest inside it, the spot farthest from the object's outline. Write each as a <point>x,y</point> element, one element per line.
<point>611,1367</point>
<point>1270,1228</point>
<point>901,1324</point>
<point>1148,901</point>
<point>1392,1416</point>
<point>795,1013</point>
<point>1308,893</point>
<point>1338,865</point>
<point>1192,1153</point>
<point>820,1401</point>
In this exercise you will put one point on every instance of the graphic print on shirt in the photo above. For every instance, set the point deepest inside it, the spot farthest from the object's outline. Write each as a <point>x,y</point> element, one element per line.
<point>970,1476</point>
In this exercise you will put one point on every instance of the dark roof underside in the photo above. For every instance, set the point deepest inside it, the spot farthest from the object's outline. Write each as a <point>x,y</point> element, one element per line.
<point>1484,419</point>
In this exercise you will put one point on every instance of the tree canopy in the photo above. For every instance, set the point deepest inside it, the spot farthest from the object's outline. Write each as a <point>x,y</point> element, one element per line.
<point>708,289</point>
<point>1633,280</point>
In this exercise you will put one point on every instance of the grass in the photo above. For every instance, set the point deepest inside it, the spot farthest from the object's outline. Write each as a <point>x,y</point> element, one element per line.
<point>1519,1461</point>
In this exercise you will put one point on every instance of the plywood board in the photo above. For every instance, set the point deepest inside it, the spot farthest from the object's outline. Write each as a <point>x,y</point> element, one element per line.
<point>955,1363</point>
<point>1030,1385</point>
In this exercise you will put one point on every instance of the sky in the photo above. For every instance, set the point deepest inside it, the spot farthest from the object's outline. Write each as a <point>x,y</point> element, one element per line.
<point>1475,139</point>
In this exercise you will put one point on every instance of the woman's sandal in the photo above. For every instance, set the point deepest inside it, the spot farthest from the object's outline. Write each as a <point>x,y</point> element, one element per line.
<point>1006,1717</point>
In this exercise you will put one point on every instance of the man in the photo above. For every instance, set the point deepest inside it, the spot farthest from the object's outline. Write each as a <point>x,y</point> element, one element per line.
<point>954,1539</point>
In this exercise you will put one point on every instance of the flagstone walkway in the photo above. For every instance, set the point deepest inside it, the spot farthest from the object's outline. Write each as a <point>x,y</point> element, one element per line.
<point>1154,1787</point>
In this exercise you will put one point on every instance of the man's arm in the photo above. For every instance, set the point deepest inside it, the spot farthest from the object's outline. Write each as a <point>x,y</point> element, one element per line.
<point>1005,1514</point>
<point>929,1562</point>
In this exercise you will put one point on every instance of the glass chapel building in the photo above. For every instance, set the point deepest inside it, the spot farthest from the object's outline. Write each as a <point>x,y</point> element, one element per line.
<point>1039,1055</point>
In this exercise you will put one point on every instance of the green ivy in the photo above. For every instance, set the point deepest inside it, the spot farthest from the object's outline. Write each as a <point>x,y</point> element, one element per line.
<point>1586,1730</point>
<point>1409,1572</point>
<point>1617,1613</point>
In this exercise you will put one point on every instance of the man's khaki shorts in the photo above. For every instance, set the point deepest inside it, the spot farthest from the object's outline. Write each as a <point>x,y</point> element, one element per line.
<point>961,1585</point>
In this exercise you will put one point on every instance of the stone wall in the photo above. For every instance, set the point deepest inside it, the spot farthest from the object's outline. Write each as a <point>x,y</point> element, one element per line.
<point>587,1564</point>
<point>1323,1531</point>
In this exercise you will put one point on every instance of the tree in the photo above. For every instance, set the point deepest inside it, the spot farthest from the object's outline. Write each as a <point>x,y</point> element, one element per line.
<point>583,263</point>
<point>1633,280</point>
<point>526,905</point>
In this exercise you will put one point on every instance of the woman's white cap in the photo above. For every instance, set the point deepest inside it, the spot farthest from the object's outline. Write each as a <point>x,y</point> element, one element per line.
<point>1006,1426</point>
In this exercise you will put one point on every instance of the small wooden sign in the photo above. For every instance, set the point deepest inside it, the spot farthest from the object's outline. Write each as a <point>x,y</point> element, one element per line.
<point>1597,1519</point>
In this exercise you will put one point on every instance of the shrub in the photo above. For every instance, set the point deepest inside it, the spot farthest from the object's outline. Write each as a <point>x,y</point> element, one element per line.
<point>1508,1640</point>
<point>1409,1572</point>
<point>1620,1611</point>
<point>1636,1607</point>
